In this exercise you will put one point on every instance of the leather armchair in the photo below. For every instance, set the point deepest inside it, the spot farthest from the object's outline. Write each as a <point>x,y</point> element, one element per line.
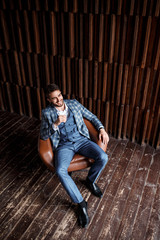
<point>78,162</point>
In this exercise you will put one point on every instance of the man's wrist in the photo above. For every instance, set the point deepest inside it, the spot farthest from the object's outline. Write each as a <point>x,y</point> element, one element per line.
<point>55,127</point>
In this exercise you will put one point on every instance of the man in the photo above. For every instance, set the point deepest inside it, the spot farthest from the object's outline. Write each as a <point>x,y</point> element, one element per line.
<point>62,122</point>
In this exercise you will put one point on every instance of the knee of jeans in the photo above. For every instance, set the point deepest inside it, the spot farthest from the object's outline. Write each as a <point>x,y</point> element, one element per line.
<point>104,158</point>
<point>61,171</point>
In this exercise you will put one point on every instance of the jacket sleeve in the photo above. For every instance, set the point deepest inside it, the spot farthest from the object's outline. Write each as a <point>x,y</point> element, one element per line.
<point>90,116</point>
<point>46,129</point>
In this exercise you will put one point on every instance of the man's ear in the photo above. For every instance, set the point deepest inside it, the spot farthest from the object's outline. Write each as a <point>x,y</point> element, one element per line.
<point>48,99</point>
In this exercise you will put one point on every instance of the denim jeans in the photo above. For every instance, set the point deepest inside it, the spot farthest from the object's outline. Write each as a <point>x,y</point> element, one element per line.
<point>63,156</point>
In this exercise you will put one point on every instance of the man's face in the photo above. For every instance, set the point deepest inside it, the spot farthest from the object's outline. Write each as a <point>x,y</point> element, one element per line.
<point>56,98</point>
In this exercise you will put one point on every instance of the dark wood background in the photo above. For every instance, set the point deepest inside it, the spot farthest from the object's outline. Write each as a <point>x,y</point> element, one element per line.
<point>104,53</point>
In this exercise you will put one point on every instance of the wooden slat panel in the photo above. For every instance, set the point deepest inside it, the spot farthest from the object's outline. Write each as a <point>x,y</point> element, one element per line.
<point>63,34</point>
<point>53,31</point>
<point>29,103</point>
<point>44,27</point>
<point>16,60</point>
<point>95,80</point>
<point>52,63</point>
<point>2,67</point>
<point>1,99</point>
<point>122,47</point>
<point>27,31</point>
<point>81,34</point>
<point>134,41</point>
<point>146,42</point>
<point>101,36</point>
<point>157,8</point>
<point>156,123</point>
<point>47,73</point>
<point>112,38</point>
<point>86,79</point>
<point>80,85</point>
<point>105,67</point>
<point>125,121</point>
<point>117,39</point>
<point>10,97</point>
<point>19,100</point>
<point>29,69</point>
<point>5,29</point>
<point>90,50</point>
<point>37,72</point>
<point>71,36</point>
<point>85,47</point>
<point>36,32</point>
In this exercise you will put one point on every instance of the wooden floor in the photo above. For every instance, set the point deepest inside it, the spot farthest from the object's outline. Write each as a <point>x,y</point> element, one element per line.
<point>33,204</point>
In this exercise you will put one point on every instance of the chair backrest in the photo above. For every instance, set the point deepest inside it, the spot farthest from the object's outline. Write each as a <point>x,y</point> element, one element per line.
<point>45,152</point>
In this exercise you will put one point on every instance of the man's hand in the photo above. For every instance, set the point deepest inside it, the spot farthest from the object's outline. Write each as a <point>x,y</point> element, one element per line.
<point>60,119</point>
<point>103,136</point>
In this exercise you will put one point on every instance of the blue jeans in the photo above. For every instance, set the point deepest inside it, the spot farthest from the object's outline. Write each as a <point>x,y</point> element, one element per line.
<point>63,156</point>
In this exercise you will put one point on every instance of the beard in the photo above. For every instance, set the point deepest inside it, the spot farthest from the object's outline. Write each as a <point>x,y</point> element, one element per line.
<point>59,104</point>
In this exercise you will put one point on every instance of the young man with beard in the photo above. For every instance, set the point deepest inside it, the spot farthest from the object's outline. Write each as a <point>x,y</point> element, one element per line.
<point>62,122</point>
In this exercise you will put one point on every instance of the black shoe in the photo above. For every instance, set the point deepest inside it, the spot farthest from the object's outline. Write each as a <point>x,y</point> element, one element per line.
<point>94,188</point>
<point>83,215</point>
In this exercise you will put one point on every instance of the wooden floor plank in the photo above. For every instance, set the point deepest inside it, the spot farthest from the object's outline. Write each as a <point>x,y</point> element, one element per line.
<point>111,191</point>
<point>153,227</point>
<point>135,196</point>
<point>153,231</point>
<point>17,212</point>
<point>7,178</point>
<point>96,205</point>
<point>17,191</point>
<point>17,144</point>
<point>9,125</point>
<point>46,215</point>
<point>18,154</point>
<point>12,141</point>
<point>145,208</point>
<point>8,132</point>
<point>33,210</point>
<point>50,229</point>
<point>114,216</point>
<point>3,114</point>
<point>8,120</point>
<point>115,212</point>
<point>34,205</point>
<point>86,194</point>
<point>51,226</point>
<point>11,128</point>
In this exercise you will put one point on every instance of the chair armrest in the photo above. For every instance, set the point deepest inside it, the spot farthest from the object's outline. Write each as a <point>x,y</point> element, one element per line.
<point>94,134</point>
<point>46,153</point>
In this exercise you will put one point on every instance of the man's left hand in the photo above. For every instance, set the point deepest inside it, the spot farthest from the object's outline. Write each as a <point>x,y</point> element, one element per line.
<point>103,136</point>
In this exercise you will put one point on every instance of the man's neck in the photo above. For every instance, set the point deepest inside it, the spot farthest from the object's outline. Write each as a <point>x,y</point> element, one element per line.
<point>61,108</point>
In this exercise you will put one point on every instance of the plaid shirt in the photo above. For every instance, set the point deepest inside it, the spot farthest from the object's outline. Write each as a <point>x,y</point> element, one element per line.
<point>49,116</point>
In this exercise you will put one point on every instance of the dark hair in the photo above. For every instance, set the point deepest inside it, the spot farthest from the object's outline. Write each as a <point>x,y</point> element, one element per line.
<point>51,88</point>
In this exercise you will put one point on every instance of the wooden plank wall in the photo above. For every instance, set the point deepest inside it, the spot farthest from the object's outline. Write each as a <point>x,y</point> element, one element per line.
<point>104,53</point>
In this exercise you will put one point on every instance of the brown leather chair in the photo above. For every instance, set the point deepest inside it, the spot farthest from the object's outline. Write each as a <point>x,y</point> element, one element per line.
<point>78,162</point>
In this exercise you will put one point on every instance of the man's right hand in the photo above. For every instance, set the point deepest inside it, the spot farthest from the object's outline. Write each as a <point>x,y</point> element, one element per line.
<point>60,119</point>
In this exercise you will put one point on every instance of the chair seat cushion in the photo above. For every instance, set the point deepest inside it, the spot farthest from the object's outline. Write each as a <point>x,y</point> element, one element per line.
<point>80,162</point>
<point>78,157</point>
